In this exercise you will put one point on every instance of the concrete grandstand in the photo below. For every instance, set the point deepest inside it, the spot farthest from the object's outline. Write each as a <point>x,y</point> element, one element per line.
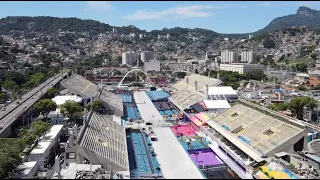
<point>196,82</point>
<point>80,86</point>
<point>103,142</point>
<point>248,133</point>
<point>77,84</point>
<point>184,98</point>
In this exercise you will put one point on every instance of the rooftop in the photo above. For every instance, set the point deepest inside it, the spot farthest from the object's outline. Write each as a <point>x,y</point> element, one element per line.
<point>111,99</point>
<point>223,90</point>
<point>186,97</point>
<point>202,82</point>
<point>80,86</point>
<point>253,131</point>
<point>47,139</point>
<point>59,100</point>
<point>24,169</point>
<point>106,138</point>
<point>216,104</point>
<point>76,171</point>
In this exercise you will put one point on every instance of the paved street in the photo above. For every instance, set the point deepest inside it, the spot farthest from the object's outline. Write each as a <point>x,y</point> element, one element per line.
<point>14,110</point>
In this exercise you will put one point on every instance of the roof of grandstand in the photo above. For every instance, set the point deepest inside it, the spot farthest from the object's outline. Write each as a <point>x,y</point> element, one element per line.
<point>202,81</point>
<point>186,97</point>
<point>80,86</point>
<point>255,132</point>
<point>157,95</point>
<point>107,139</point>
<point>111,99</point>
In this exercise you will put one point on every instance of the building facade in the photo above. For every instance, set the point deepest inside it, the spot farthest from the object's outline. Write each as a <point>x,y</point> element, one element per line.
<point>229,56</point>
<point>241,67</point>
<point>247,56</point>
<point>129,58</point>
<point>146,56</point>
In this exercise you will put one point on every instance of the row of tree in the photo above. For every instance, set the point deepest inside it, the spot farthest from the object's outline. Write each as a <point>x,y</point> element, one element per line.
<point>11,151</point>
<point>295,106</point>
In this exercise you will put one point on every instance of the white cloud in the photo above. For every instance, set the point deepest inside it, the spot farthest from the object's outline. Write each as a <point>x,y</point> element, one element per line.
<point>99,5</point>
<point>265,4</point>
<point>193,11</point>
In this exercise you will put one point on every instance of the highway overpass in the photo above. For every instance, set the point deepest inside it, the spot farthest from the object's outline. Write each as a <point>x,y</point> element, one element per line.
<point>15,109</point>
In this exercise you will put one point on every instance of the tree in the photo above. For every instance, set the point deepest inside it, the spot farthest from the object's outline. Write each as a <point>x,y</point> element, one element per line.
<point>45,106</point>
<point>3,98</point>
<point>296,105</point>
<point>268,43</point>
<point>10,86</point>
<point>302,88</point>
<point>97,106</point>
<point>39,127</point>
<point>51,93</point>
<point>279,106</point>
<point>71,109</point>
<point>18,78</point>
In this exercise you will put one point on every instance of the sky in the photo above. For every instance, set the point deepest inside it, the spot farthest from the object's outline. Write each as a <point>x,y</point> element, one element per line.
<point>219,16</point>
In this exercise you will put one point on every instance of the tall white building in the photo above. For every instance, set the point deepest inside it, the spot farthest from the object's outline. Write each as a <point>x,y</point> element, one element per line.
<point>146,56</point>
<point>168,36</point>
<point>250,36</point>
<point>247,56</point>
<point>129,58</point>
<point>159,36</point>
<point>229,56</point>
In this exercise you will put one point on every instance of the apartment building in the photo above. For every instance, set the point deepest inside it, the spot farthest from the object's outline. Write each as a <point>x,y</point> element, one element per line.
<point>247,56</point>
<point>229,56</point>
<point>129,58</point>
<point>146,56</point>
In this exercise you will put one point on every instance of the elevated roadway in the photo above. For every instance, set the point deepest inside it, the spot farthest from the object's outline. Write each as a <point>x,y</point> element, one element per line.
<point>15,109</point>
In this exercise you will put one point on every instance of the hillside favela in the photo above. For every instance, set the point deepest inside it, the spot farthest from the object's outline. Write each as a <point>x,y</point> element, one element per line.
<point>159,90</point>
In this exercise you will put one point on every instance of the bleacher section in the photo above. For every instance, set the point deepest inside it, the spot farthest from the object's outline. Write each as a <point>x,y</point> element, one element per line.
<point>157,95</point>
<point>112,102</point>
<point>195,144</point>
<point>202,81</point>
<point>131,112</point>
<point>142,161</point>
<point>185,98</point>
<point>126,98</point>
<point>77,84</point>
<point>104,142</point>
<point>257,130</point>
<point>155,163</point>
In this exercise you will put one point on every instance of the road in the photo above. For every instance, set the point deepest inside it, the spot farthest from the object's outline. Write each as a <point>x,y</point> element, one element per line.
<point>14,110</point>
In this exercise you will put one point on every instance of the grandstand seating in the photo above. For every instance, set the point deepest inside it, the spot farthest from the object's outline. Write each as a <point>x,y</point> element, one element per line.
<point>107,139</point>
<point>142,160</point>
<point>126,98</point>
<point>80,86</point>
<point>256,129</point>
<point>131,113</point>
<point>202,81</point>
<point>185,98</point>
<point>157,95</point>
<point>154,160</point>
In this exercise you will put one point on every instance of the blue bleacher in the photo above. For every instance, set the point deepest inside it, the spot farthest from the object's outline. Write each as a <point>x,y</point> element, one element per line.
<point>161,113</point>
<point>156,95</point>
<point>126,98</point>
<point>154,160</point>
<point>131,113</point>
<point>143,164</point>
<point>175,111</point>
<point>168,112</point>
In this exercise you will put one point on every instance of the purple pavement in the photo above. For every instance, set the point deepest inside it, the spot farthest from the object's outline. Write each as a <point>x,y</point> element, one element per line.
<point>206,158</point>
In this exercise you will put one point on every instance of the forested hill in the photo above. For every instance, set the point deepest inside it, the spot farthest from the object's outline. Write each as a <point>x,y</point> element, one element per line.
<point>54,24</point>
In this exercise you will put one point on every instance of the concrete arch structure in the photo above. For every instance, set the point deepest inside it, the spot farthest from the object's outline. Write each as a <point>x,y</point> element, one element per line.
<point>136,71</point>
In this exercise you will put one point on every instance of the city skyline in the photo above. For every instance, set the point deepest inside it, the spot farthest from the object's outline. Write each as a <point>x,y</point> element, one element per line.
<point>220,16</point>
